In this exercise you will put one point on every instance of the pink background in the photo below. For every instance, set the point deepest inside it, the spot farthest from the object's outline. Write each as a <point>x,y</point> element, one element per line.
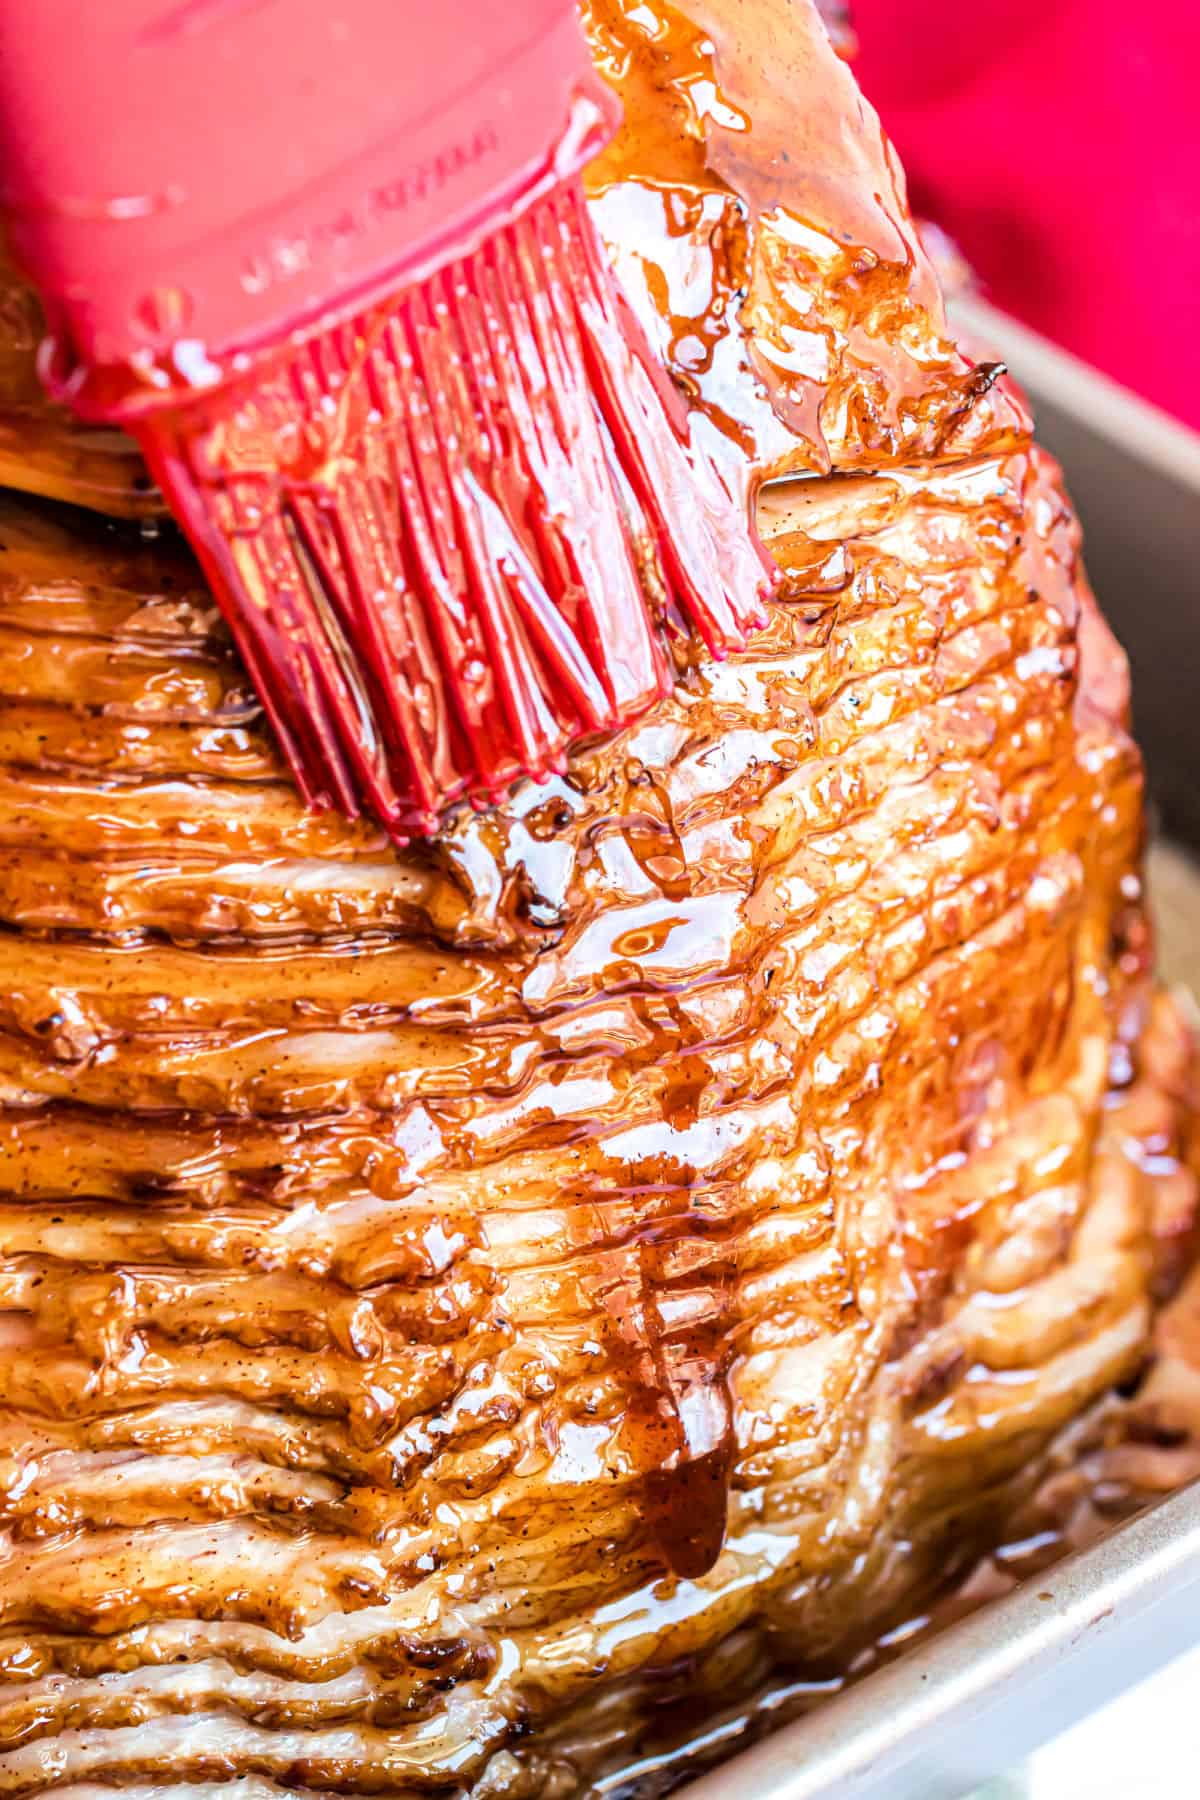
<point>1057,142</point>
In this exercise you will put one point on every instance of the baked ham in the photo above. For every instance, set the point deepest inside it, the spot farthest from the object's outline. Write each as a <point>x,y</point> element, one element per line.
<point>476,1311</point>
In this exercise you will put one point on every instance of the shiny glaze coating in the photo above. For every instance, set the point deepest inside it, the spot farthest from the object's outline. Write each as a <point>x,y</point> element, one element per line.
<point>469,1308</point>
<point>752,182</point>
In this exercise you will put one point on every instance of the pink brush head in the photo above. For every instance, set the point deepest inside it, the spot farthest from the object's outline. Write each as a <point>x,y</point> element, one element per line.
<point>188,179</point>
<point>331,264</point>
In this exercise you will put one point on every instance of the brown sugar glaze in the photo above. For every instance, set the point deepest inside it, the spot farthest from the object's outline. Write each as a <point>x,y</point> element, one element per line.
<point>470,1310</point>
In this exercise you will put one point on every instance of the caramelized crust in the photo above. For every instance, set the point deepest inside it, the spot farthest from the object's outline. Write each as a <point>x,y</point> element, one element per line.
<point>459,1302</point>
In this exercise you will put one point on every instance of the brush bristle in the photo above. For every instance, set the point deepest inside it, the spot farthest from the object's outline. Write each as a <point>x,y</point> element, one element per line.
<point>446,532</point>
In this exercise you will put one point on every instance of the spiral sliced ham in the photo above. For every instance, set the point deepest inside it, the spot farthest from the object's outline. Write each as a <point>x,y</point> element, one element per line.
<point>467,1308</point>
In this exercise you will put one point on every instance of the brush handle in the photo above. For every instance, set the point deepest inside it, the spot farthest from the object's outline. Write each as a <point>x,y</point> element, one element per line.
<point>190,179</point>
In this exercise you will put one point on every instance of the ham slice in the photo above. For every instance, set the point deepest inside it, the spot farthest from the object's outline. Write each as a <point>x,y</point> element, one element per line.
<point>43,450</point>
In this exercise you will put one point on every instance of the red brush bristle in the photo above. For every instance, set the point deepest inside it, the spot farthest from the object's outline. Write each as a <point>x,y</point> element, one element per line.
<point>433,528</point>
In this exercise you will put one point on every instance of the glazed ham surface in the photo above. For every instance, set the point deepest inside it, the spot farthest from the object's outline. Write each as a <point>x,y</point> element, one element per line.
<point>468,1306</point>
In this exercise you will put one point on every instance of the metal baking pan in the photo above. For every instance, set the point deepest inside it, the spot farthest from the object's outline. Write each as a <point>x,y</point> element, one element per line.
<point>966,1706</point>
<point>945,1718</point>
